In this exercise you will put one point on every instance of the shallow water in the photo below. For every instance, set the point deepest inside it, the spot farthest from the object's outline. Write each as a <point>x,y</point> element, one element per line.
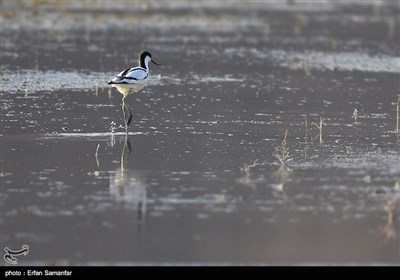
<point>195,180</point>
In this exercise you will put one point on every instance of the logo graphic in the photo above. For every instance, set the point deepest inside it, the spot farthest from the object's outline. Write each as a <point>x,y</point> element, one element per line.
<point>9,256</point>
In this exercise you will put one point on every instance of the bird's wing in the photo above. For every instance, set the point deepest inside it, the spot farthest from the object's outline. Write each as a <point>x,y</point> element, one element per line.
<point>123,73</point>
<point>130,76</point>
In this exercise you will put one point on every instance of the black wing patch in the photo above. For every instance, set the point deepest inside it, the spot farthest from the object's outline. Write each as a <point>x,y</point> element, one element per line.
<point>123,77</point>
<point>125,72</point>
<point>127,78</point>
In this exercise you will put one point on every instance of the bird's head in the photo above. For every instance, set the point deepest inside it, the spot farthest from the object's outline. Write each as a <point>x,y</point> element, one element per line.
<point>145,58</point>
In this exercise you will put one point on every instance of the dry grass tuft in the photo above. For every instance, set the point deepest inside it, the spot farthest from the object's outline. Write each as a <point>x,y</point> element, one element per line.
<point>282,152</point>
<point>320,128</point>
<point>398,117</point>
<point>247,167</point>
<point>355,115</point>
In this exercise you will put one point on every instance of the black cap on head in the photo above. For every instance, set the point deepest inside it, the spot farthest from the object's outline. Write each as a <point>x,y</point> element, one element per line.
<point>144,54</point>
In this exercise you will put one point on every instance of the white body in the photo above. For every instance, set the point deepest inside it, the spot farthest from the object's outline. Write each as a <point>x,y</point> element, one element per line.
<point>133,79</point>
<point>126,89</point>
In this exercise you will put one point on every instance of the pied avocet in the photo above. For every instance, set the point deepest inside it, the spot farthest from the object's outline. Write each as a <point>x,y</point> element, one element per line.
<point>132,80</point>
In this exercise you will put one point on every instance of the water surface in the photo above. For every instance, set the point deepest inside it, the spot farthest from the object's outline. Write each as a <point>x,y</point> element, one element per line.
<point>195,180</point>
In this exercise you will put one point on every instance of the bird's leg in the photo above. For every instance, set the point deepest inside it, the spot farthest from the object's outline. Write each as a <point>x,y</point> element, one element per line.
<point>130,115</point>
<point>123,111</point>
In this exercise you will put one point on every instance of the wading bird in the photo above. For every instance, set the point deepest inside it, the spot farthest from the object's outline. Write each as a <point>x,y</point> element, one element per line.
<point>132,80</point>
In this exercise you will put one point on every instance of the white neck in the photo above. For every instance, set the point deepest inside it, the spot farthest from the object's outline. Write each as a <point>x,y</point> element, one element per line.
<point>146,62</point>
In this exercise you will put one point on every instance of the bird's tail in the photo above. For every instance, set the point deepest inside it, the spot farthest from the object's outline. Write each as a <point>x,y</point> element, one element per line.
<point>110,83</point>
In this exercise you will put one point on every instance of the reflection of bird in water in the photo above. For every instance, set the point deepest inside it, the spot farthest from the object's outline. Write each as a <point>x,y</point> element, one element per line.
<point>132,80</point>
<point>127,186</point>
